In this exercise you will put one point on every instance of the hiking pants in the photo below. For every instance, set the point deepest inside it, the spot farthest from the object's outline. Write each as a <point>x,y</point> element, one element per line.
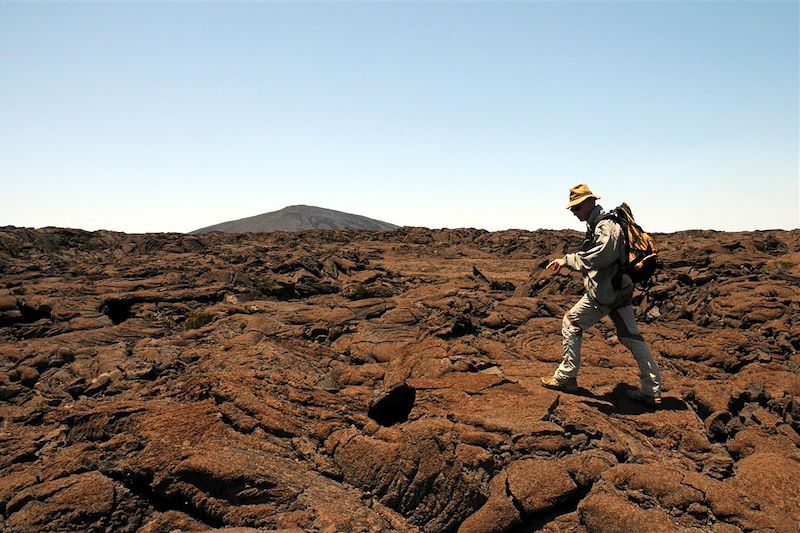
<point>584,315</point>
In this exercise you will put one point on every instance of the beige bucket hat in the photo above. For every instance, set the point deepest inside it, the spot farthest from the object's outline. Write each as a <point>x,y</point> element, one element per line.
<point>579,193</point>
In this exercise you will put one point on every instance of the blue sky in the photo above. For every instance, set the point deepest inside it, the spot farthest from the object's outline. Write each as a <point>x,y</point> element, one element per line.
<point>142,117</point>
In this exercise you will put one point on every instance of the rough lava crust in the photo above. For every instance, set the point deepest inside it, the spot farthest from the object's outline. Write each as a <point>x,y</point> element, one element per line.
<point>388,381</point>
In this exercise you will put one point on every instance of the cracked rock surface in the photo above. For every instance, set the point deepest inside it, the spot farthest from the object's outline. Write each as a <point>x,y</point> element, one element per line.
<point>389,381</point>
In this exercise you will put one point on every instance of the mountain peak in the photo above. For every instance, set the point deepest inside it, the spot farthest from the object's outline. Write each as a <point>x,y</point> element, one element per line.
<point>297,218</point>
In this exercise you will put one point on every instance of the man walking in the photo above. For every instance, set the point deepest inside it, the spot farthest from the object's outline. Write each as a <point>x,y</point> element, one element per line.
<point>608,292</point>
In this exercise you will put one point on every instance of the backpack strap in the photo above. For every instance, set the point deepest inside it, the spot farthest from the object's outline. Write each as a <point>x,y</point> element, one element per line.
<point>618,219</point>
<point>611,215</point>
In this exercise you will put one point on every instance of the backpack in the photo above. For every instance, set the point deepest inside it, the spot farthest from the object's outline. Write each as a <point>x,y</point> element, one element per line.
<point>641,257</point>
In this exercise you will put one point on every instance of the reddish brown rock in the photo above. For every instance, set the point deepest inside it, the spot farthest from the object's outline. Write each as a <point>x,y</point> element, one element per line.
<point>772,478</point>
<point>498,514</point>
<point>603,512</point>
<point>539,485</point>
<point>389,381</point>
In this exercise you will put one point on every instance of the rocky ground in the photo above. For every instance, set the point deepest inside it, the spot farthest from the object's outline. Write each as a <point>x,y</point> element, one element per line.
<point>356,381</point>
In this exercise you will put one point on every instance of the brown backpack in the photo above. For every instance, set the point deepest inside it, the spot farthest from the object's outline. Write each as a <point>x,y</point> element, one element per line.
<point>641,257</point>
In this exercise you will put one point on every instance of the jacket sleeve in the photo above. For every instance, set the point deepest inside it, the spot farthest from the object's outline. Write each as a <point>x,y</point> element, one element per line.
<point>603,252</point>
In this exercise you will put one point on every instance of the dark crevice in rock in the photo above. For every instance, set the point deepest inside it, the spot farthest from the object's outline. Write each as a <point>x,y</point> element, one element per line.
<point>141,487</point>
<point>32,313</point>
<point>715,432</point>
<point>277,432</point>
<point>517,504</point>
<point>735,365</point>
<point>28,314</point>
<point>26,456</point>
<point>237,492</point>
<point>9,321</point>
<point>394,407</point>
<point>755,393</point>
<point>459,327</point>
<point>725,424</point>
<point>235,426</point>
<point>701,410</point>
<point>789,410</point>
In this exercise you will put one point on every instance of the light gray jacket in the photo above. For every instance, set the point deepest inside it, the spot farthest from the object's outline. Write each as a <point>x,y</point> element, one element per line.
<point>599,261</point>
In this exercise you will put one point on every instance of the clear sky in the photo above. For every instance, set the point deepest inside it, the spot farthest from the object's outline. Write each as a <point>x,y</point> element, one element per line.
<point>143,117</point>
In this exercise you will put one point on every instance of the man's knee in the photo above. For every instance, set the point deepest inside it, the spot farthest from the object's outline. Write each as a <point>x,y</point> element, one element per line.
<point>626,335</point>
<point>568,325</point>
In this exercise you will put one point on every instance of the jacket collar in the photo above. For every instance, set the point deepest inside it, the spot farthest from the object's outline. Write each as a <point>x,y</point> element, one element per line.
<point>594,217</point>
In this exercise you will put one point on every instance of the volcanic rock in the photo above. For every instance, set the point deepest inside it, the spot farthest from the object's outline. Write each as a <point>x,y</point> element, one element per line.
<point>348,380</point>
<point>293,218</point>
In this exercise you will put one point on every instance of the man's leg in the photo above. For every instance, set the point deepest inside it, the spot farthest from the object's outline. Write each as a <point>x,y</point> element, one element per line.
<point>630,337</point>
<point>583,315</point>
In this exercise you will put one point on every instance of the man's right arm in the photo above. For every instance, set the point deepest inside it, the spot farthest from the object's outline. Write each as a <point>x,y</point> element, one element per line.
<point>556,264</point>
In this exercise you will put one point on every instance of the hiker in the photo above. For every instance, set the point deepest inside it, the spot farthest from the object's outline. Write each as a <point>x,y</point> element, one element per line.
<point>608,292</point>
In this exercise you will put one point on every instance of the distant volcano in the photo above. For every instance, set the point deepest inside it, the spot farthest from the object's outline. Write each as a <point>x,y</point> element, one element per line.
<point>297,218</point>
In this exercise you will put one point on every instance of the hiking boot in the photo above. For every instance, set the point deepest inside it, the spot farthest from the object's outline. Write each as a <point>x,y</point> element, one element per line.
<point>568,385</point>
<point>642,397</point>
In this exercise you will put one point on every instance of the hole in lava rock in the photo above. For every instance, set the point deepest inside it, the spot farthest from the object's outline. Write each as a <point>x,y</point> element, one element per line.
<point>394,407</point>
<point>117,310</point>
